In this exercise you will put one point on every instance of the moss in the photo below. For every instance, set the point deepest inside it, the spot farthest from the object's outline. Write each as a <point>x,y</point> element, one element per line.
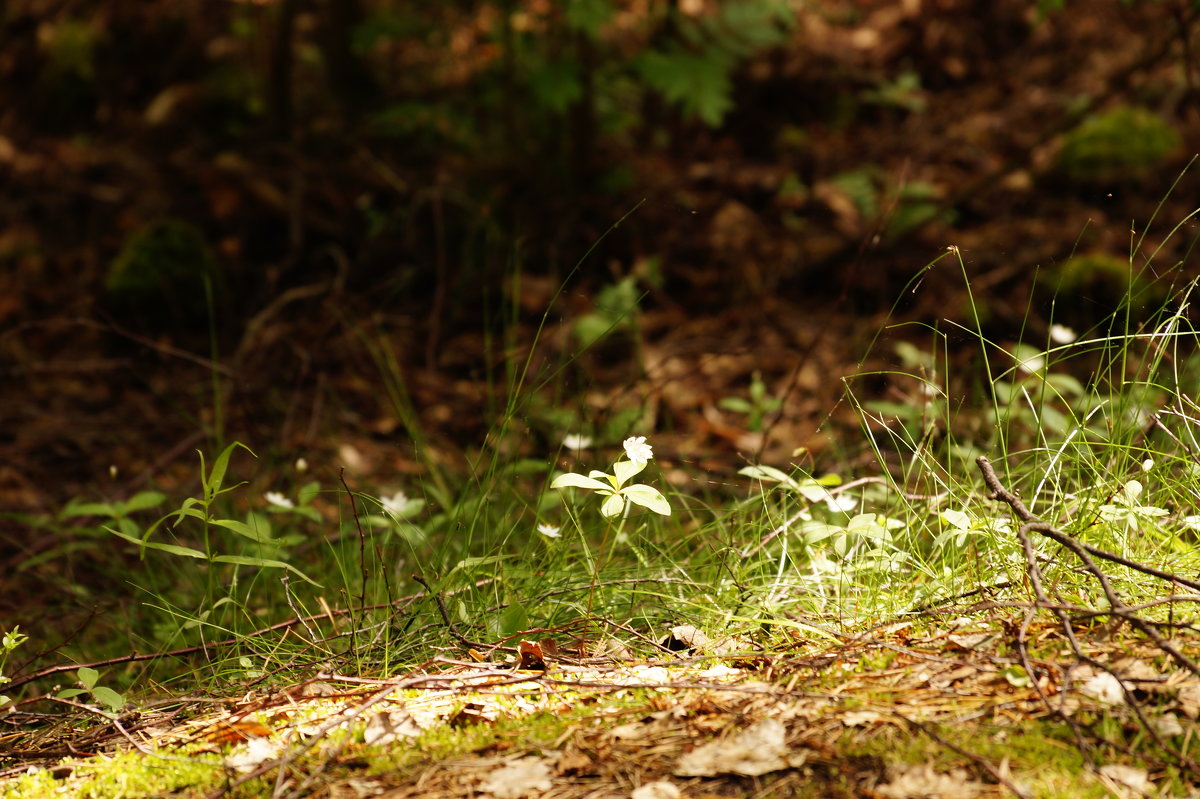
<point>1119,144</point>
<point>164,272</point>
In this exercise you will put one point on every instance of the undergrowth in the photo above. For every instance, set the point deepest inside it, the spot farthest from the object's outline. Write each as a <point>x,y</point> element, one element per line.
<point>1097,429</point>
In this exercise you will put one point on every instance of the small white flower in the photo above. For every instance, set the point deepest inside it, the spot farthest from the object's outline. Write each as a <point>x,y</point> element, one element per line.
<point>301,465</point>
<point>841,503</point>
<point>278,500</point>
<point>549,530</point>
<point>576,442</point>
<point>1061,334</point>
<point>1147,464</point>
<point>638,450</point>
<point>1031,365</point>
<point>395,503</point>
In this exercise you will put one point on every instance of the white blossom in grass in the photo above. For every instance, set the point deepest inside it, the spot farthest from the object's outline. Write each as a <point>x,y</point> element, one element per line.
<point>637,450</point>
<point>395,503</point>
<point>278,500</point>
<point>1126,511</point>
<point>841,503</point>
<point>1061,334</point>
<point>301,465</point>
<point>617,495</point>
<point>400,505</point>
<point>576,442</point>
<point>549,530</point>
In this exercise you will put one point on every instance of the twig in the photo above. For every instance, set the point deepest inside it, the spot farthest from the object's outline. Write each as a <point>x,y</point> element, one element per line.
<point>441,605</point>
<point>1117,607</point>
<point>979,760</point>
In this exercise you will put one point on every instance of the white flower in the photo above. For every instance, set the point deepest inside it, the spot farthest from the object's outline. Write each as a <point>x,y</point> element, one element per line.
<point>1061,334</point>
<point>612,487</point>
<point>841,503</point>
<point>301,465</point>
<point>1032,364</point>
<point>395,503</point>
<point>549,530</point>
<point>576,442</point>
<point>278,500</point>
<point>638,450</point>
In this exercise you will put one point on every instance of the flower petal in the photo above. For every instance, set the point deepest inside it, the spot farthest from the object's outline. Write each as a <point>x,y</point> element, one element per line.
<point>572,480</point>
<point>647,497</point>
<point>637,449</point>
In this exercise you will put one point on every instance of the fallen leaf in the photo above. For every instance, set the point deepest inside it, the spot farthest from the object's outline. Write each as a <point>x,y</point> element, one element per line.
<point>519,778</point>
<point>757,750</point>
<point>922,782</point>
<point>385,728</point>
<point>1127,780</point>
<point>656,790</point>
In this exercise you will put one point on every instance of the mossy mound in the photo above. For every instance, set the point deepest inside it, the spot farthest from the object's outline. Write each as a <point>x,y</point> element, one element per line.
<point>1120,144</point>
<point>165,273</point>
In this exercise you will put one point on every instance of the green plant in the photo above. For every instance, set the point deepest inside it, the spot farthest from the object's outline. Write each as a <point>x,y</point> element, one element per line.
<point>756,407</point>
<point>89,679</point>
<point>11,640</point>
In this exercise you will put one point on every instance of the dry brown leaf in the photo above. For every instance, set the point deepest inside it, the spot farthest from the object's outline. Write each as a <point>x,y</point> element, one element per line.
<point>757,750</point>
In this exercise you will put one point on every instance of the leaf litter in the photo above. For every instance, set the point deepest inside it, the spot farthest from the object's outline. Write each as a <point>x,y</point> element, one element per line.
<point>843,719</point>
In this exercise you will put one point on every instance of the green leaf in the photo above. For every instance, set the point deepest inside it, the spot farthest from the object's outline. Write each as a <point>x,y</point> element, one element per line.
<point>623,470</point>
<point>88,676</point>
<point>769,474</point>
<point>173,549</point>
<point>144,501</point>
<point>573,480</point>
<point>89,509</point>
<point>108,697</point>
<point>613,505</point>
<point>242,560</point>
<point>588,16</point>
<point>956,518</point>
<point>647,497</point>
<point>513,619</point>
<point>216,477</point>
<point>308,492</point>
<point>698,82</point>
<point>255,534</point>
<point>735,404</point>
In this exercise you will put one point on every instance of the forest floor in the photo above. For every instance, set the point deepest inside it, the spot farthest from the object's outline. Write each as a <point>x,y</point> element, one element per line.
<point>316,369</point>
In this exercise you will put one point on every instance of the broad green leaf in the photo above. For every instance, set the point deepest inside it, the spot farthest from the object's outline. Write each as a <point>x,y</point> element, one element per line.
<point>613,505</point>
<point>88,676</point>
<point>572,480</point>
<point>647,497</point>
<point>812,491</point>
<point>513,619</point>
<point>308,492</point>
<point>107,696</point>
<point>70,693</point>
<point>956,518</point>
<point>623,470</point>
<point>144,500</point>
<point>89,509</point>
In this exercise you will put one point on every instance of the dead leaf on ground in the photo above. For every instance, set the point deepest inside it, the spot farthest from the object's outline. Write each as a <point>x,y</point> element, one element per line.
<point>757,750</point>
<point>525,777</point>
<point>922,782</point>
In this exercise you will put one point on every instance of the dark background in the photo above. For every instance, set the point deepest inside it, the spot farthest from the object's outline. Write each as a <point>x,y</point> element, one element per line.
<point>315,226</point>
